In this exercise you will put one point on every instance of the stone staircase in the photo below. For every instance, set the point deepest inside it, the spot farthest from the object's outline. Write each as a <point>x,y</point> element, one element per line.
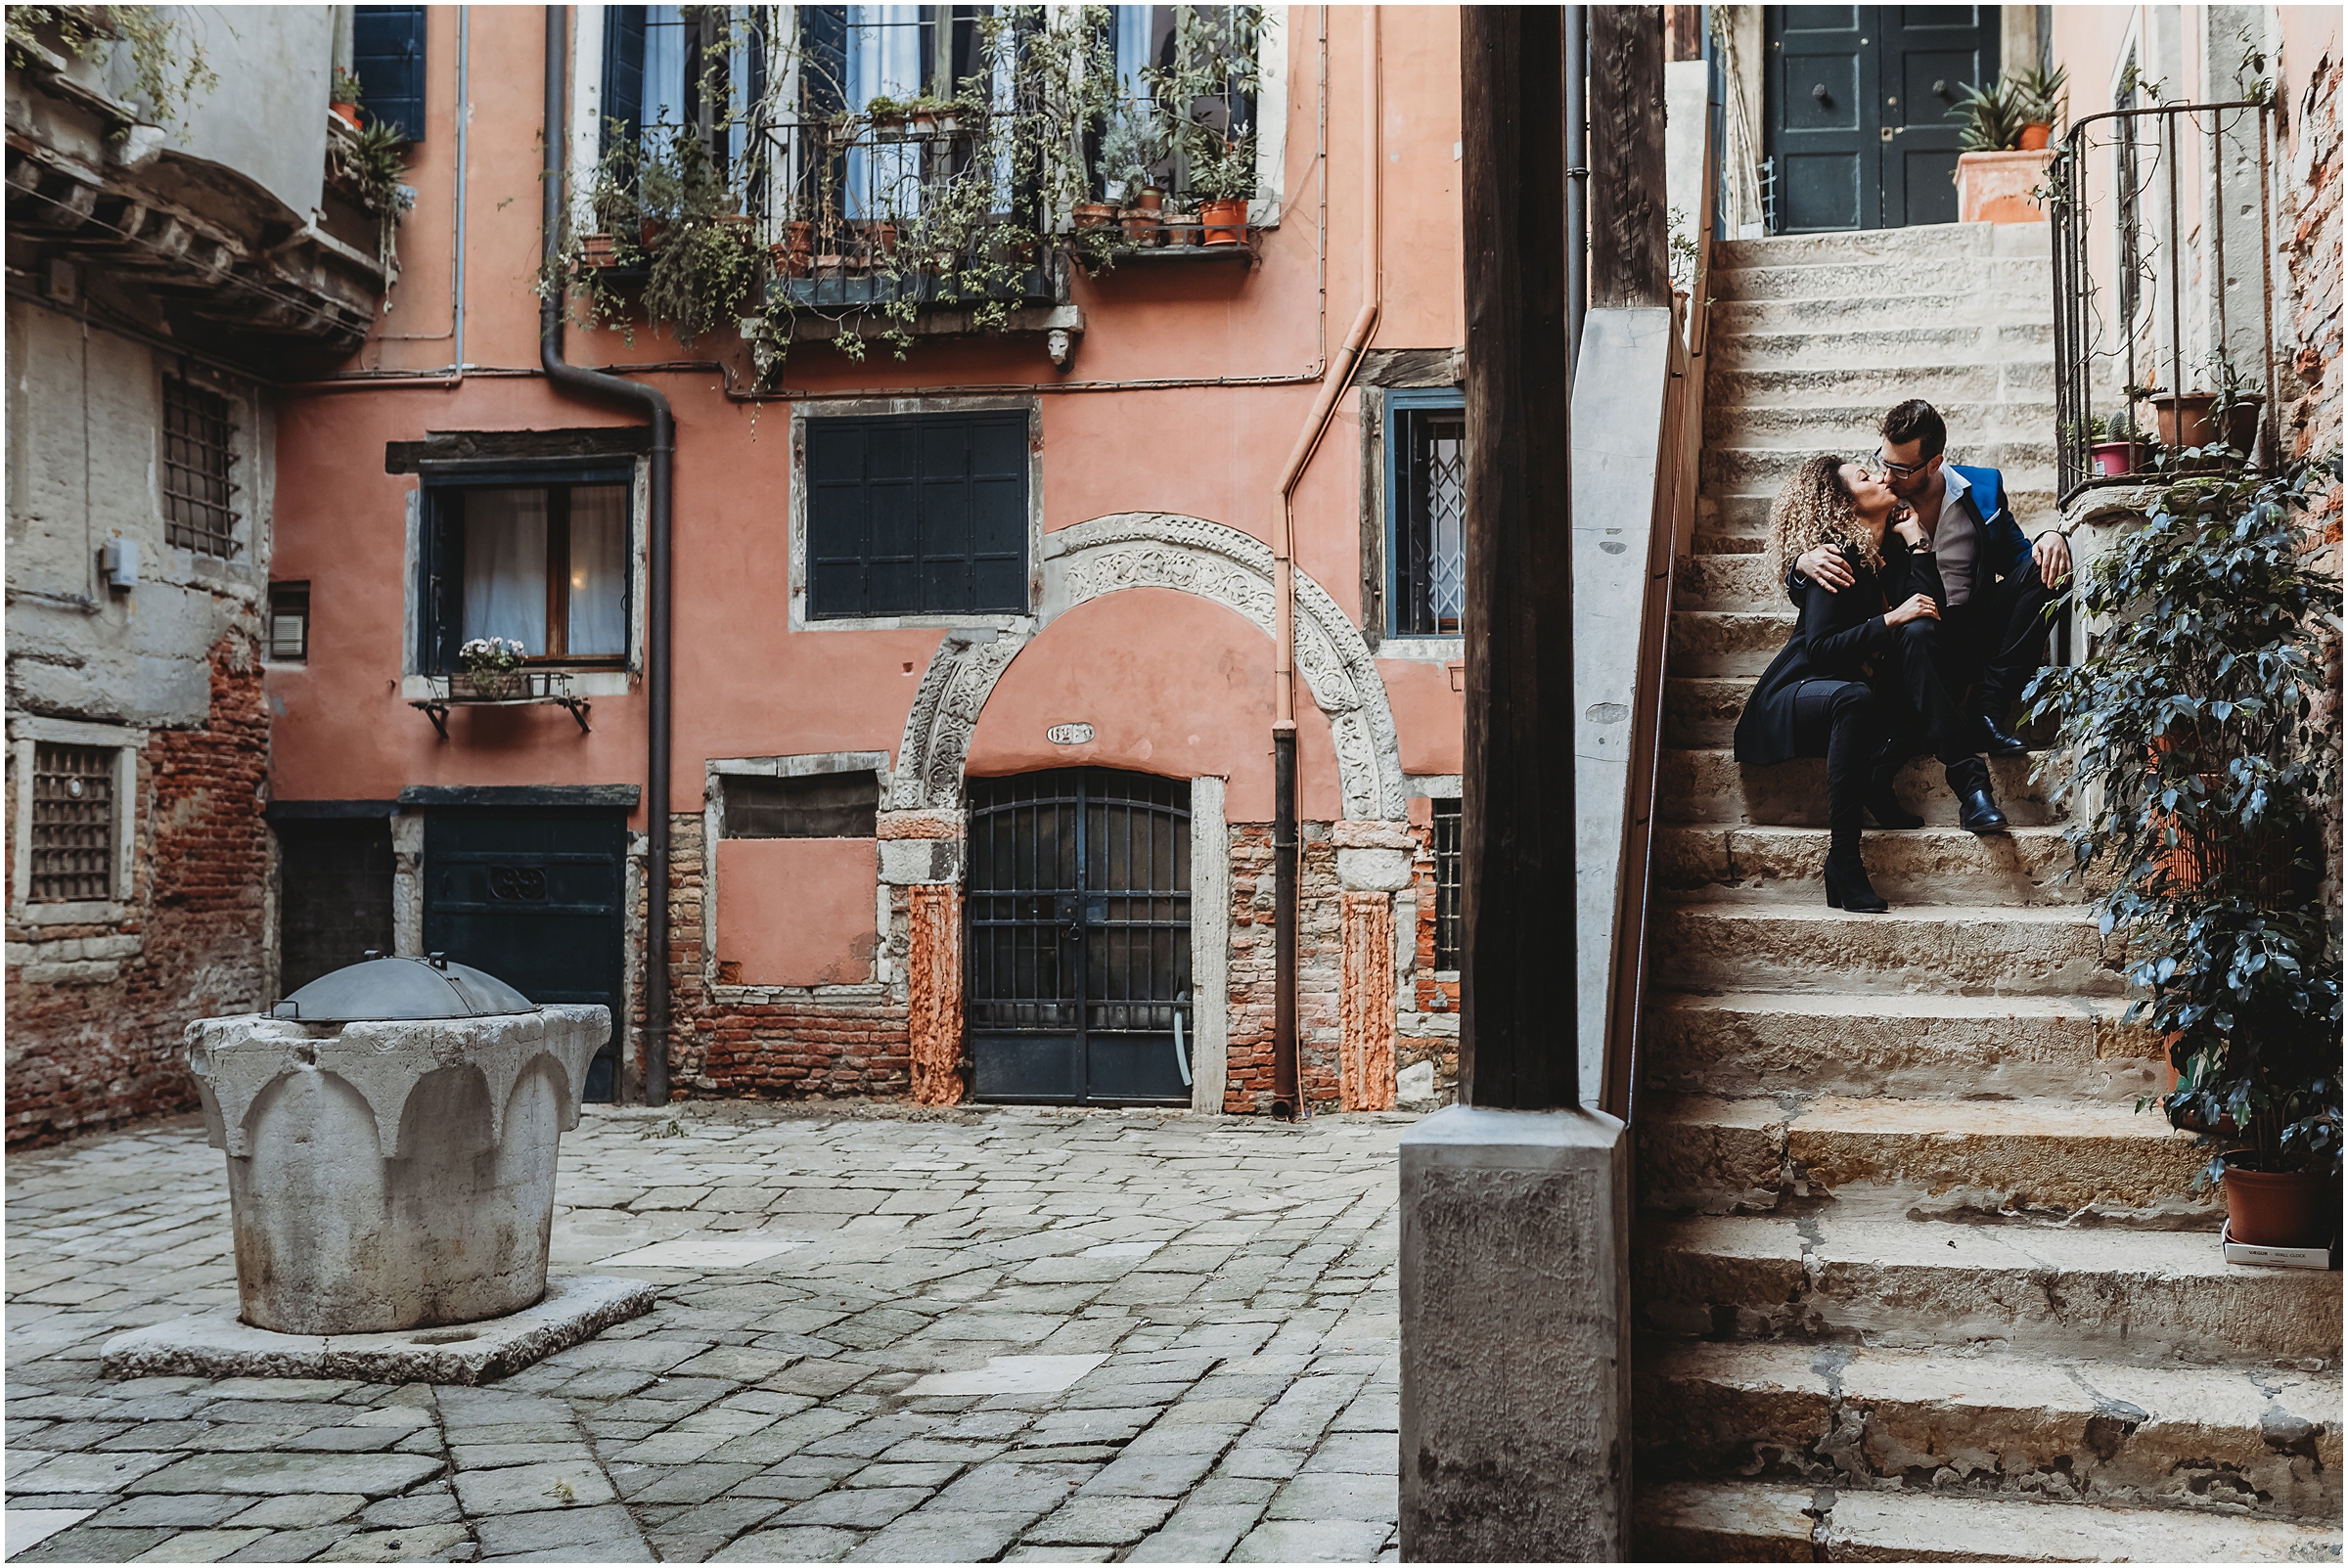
<point>1914,1280</point>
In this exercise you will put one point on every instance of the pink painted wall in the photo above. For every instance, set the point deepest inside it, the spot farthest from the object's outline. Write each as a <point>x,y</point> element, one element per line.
<point>744,684</point>
<point>796,910</point>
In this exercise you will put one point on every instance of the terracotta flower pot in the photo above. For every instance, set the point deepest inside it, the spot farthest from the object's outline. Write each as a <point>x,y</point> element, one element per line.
<point>348,113</point>
<point>2113,459</point>
<point>598,251</point>
<point>1093,214</point>
<point>1223,222</point>
<point>2274,1208</point>
<point>651,229</point>
<point>2191,421</point>
<point>1182,228</point>
<point>2034,137</point>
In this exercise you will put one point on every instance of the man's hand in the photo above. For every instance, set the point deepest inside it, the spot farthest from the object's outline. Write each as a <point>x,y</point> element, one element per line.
<point>1824,565</point>
<point>2053,554</point>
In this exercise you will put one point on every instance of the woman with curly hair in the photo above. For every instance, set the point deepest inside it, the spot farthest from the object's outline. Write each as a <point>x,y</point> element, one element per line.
<point>1820,697</point>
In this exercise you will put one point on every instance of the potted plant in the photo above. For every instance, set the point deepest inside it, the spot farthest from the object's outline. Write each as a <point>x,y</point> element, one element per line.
<point>2116,446</point>
<point>2205,418</point>
<point>493,666</point>
<point>1136,143</point>
<point>2041,99</point>
<point>795,252</point>
<point>1994,116</point>
<point>1093,214</point>
<point>345,96</point>
<point>2202,746</point>
<point>1213,73</point>
<point>886,116</point>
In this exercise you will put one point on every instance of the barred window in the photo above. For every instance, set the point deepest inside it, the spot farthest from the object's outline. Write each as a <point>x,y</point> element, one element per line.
<point>1447,883</point>
<point>199,513</point>
<point>1427,512</point>
<point>73,823</point>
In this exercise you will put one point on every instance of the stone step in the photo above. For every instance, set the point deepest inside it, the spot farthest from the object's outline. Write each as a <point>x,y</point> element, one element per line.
<point>1733,317</point>
<point>2143,1296</point>
<point>1916,1046</point>
<point>1725,942</point>
<point>2026,464</point>
<point>1708,785</point>
<point>2043,1160</point>
<point>1914,344</point>
<point>1736,521</point>
<point>1917,866</point>
<point>2208,1441</point>
<point>1726,1521</point>
<point>1849,430</point>
<point>1934,241</point>
<point>2021,285</point>
<point>1735,385</point>
<point>1720,642</point>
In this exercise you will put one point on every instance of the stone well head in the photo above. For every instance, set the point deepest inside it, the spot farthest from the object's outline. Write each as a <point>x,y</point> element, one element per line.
<point>392,1132</point>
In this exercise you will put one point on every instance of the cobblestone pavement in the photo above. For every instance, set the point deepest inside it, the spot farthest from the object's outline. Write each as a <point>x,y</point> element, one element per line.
<point>1007,1334</point>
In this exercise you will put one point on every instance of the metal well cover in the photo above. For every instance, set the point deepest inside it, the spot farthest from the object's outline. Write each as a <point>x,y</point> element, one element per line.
<point>402,988</point>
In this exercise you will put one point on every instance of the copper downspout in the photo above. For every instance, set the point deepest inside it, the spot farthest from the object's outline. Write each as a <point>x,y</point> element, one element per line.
<point>1288,1101</point>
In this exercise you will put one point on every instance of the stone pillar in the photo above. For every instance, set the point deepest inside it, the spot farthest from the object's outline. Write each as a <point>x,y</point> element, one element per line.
<point>1374,863</point>
<point>922,852</point>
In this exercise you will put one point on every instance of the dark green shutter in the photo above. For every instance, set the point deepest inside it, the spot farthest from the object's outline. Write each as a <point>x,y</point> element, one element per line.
<point>823,60</point>
<point>386,50</point>
<point>922,515</point>
<point>834,519</point>
<point>623,72</point>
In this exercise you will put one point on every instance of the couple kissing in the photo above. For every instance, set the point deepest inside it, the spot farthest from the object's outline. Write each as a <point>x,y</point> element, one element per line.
<point>1924,613</point>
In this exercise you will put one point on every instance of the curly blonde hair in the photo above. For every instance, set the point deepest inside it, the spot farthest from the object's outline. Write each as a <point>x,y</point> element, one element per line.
<point>1815,507</point>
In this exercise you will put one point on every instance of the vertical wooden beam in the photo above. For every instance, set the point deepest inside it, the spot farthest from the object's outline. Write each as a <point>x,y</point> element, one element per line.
<point>1517,1048</point>
<point>1630,262</point>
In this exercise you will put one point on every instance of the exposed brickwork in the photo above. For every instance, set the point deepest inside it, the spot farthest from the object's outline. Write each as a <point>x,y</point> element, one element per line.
<point>2311,423</point>
<point>933,986</point>
<point>94,1012</point>
<point>1367,1029</point>
<point>1427,1022</point>
<point>1248,1083</point>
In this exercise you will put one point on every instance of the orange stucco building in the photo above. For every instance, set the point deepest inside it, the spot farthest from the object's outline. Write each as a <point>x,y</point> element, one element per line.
<point>1009,837</point>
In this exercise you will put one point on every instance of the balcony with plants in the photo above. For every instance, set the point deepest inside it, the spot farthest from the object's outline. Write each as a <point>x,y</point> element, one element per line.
<point>797,217</point>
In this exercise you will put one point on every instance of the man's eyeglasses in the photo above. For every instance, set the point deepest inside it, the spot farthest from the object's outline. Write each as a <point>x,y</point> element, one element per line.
<point>1901,471</point>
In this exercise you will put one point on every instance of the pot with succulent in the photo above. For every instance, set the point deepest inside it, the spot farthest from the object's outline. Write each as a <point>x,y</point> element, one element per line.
<point>2201,750</point>
<point>1994,116</point>
<point>345,96</point>
<point>2228,415</point>
<point>2041,98</point>
<point>2116,445</point>
<point>493,667</point>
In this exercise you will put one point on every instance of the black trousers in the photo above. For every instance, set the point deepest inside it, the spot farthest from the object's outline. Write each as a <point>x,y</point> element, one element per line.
<point>1842,722</point>
<point>1974,663</point>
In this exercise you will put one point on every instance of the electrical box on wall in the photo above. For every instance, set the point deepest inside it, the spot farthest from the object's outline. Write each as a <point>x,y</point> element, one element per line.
<point>119,558</point>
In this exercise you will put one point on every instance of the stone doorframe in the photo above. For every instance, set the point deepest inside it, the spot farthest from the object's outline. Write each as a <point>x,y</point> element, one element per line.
<point>923,817</point>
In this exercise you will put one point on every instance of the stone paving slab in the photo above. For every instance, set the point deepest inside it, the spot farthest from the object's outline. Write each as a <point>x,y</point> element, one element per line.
<point>981,1336</point>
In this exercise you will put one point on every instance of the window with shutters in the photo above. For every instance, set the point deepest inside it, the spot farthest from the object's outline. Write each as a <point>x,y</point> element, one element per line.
<point>540,557</point>
<point>73,823</point>
<point>916,515</point>
<point>387,50</point>
<point>1427,512</point>
<point>695,71</point>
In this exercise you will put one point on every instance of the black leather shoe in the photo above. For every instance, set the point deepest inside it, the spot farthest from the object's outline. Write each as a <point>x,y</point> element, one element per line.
<point>1884,806</point>
<point>1997,742</point>
<point>1847,886</point>
<point>1977,813</point>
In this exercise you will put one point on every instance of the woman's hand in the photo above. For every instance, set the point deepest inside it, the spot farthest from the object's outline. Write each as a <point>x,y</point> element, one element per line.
<point>1904,523</point>
<point>1917,606</point>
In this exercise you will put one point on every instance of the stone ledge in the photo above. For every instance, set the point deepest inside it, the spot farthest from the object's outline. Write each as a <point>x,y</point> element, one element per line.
<point>217,1344</point>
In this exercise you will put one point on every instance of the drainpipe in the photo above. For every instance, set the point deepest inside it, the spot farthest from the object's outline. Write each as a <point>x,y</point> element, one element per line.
<point>1287,1100</point>
<point>1577,182</point>
<point>609,388</point>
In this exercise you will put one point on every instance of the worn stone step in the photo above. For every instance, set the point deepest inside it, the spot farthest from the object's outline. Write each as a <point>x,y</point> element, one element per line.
<point>1850,430</point>
<point>1738,521</point>
<point>1730,1521</point>
<point>1928,865</point>
<point>2026,464</point>
<point>1702,710</point>
<point>1718,641</point>
<point>2015,285</point>
<point>1935,240</point>
<point>1918,1046</point>
<point>2043,1160</point>
<point>1706,784</point>
<point>2209,1439</point>
<point>1721,942</point>
<point>1733,381</point>
<point>2141,1296</point>
<point>1814,312</point>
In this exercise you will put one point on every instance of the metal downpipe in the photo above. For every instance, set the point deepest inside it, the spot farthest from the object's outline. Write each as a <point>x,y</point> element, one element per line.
<point>609,388</point>
<point>1577,182</point>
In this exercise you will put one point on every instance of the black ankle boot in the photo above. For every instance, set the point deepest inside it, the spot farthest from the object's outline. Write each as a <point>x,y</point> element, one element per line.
<point>1883,804</point>
<point>1847,886</point>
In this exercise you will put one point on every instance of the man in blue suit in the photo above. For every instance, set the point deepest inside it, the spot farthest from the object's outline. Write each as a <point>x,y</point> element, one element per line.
<point>1994,587</point>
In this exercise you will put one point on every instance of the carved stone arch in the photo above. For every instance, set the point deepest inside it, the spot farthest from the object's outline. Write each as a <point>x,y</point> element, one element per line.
<point>1191,555</point>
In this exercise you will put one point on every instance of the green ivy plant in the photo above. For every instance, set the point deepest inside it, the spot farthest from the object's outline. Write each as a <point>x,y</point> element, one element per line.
<point>168,69</point>
<point>2199,740</point>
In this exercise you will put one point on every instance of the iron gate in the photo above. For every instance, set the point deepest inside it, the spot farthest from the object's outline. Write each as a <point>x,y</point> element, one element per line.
<point>1079,939</point>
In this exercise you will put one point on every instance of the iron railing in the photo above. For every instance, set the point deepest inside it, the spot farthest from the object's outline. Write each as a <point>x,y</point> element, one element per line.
<point>2148,206</point>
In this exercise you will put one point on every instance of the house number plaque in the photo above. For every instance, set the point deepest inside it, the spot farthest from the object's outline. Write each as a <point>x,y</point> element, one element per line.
<point>1069,734</point>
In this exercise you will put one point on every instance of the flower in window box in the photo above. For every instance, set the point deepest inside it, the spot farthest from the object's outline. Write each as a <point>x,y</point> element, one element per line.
<point>493,666</point>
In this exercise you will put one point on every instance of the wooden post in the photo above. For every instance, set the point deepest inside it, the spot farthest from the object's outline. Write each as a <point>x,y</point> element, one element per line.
<point>1630,260</point>
<point>1517,1048</point>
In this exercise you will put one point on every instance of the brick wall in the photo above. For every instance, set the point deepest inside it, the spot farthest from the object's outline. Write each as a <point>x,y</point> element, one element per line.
<point>1427,1020</point>
<point>95,1012</point>
<point>1247,1082</point>
<point>2311,421</point>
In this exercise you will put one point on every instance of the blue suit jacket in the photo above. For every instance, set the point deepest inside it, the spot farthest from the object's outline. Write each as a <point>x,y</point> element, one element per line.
<point>2003,551</point>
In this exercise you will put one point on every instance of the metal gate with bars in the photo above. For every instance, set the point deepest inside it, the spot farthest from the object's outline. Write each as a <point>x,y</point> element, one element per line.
<point>1079,938</point>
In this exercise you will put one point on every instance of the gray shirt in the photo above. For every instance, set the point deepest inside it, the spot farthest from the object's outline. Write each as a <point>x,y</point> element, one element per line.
<point>1953,540</point>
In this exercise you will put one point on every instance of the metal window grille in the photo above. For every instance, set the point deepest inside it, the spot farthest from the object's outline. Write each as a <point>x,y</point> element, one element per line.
<point>1431,591</point>
<point>1447,884</point>
<point>198,508</point>
<point>73,823</point>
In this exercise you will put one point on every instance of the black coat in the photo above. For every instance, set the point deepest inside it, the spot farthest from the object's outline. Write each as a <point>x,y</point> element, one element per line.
<point>1837,638</point>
